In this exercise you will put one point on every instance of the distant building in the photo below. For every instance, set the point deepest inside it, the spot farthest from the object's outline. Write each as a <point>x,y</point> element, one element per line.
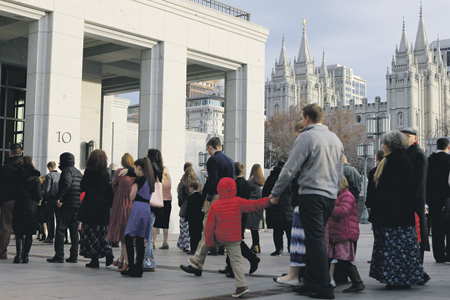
<point>417,86</point>
<point>205,114</point>
<point>305,83</point>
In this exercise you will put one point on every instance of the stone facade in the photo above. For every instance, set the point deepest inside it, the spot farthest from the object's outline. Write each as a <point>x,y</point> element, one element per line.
<point>305,83</point>
<point>74,54</point>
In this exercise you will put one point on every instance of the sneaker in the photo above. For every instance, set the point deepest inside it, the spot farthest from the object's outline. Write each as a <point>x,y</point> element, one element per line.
<point>240,291</point>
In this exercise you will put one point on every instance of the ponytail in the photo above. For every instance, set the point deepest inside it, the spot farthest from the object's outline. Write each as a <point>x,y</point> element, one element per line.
<point>146,166</point>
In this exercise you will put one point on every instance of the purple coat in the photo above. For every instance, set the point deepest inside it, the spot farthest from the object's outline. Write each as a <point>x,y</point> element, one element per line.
<point>343,223</point>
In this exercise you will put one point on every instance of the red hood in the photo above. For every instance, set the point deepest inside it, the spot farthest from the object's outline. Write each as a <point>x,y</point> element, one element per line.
<point>226,188</point>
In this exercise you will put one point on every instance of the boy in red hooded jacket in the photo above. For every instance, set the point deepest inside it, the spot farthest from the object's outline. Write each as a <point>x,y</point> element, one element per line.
<point>223,226</point>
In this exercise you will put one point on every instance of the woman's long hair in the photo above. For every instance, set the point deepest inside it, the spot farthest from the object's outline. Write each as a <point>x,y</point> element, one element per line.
<point>127,160</point>
<point>146,166</point>
<point>257,174</point>
<point>156,158</point>
<point>97,161</point>
<point>26,164</point>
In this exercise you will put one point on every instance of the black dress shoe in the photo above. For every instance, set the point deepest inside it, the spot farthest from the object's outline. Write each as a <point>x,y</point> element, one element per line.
<point>302,290</point>
<point>16,259</point>
<point>25,259</point>
<point>226,270</point>
<point>93,264</point>
<point>55,260</point>
<point>189,269</point>
<point>72,260</point>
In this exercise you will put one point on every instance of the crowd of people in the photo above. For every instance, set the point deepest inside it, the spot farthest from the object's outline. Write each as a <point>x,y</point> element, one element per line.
<point>311,199</point>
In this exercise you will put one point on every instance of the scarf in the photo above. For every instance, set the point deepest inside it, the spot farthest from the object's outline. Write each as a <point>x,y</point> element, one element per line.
<point>379,171</point>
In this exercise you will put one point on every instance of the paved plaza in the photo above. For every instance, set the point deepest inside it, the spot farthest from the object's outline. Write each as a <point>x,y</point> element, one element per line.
<point>42,280</point>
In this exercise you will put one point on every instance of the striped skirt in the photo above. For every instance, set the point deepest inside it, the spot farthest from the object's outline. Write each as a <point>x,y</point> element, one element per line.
<point>184,240</point>
<point>297,249</point>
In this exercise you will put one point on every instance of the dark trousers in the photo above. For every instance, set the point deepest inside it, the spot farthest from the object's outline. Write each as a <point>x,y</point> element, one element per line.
<point>6,216</point>
<point>314,213</point>
<point>66,218</point>
<point>278,229</point>
<point>50,213</point>
<point>195,233</point>
<point>140,249</point>
<point>441,235</point>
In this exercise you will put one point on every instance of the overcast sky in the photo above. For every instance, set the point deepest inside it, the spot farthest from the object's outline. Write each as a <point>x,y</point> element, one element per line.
<point>360,34</point>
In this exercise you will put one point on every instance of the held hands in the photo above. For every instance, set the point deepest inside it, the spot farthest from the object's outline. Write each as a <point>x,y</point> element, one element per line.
<point>273,200</point>
<point>123,172</point>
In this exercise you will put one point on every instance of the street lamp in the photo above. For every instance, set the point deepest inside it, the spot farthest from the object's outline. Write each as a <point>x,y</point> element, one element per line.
<point>270,155</point>
<point>364,152</point>
<point>202,158</point>
<point>377,126</point>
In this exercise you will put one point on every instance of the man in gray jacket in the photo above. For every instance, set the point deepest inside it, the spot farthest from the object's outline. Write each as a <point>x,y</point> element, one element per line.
<point>318,155</point>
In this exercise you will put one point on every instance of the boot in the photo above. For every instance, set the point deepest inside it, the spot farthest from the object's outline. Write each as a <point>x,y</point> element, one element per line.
<point>26,249</point>
<point>17,258</point>
<point>256,249</point>
<point>357,284</point>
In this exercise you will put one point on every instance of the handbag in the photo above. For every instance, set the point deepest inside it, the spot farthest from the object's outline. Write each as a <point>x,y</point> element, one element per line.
<point>156,199</point>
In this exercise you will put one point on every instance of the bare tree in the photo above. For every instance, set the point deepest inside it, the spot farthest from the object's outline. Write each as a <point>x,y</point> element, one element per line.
<point>279,132</point>
<point>343,122</point>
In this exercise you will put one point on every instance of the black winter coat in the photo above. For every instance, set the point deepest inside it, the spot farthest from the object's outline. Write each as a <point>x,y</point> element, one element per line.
<point>283,212</point>
<point>420,165</point>
<point>97,201</point>
<point>69,182</point>
<point>393,202</point>
<point>9,183</point>
<point>25,213</point>
<point>437,180</point>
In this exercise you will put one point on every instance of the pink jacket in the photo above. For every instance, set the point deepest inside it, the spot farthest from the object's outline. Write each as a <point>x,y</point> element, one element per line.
<point>343,223</point>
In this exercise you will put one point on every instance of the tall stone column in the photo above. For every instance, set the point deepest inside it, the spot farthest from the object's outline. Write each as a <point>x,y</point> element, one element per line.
<point>53,102</point>
<point>162,109</point>
<point>244,116</point>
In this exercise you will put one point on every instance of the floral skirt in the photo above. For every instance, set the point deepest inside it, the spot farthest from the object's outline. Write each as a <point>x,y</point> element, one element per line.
<point>297,248</point>
<point>184,239</point>
<point>93,242</point>
<point>396,256</point>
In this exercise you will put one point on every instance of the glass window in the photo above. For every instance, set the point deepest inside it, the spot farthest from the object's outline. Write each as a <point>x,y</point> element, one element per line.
<point>16,77</point>
<point>15,104</point>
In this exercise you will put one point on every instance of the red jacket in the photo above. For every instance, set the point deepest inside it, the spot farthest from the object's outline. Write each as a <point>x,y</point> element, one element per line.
<point>343,223</point>
<point>224,218</point>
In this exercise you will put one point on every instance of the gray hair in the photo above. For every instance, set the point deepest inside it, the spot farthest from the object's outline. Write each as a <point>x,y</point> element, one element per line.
<point>395,140</point>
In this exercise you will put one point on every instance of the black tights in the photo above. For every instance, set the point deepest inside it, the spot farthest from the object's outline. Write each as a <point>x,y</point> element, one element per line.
<point>255,237</point>
<point>139,251</point>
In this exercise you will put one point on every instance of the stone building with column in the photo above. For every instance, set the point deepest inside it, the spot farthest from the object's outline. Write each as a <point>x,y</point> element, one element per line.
<point>61,59</point>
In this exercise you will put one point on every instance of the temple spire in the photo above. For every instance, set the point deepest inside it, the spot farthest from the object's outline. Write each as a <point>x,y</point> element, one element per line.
<point>439,62</point>
<point>404,40</point>
<point>283,61</point>
<point>304,55</point>
<point>421,37</point>
<point>323,69</point>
